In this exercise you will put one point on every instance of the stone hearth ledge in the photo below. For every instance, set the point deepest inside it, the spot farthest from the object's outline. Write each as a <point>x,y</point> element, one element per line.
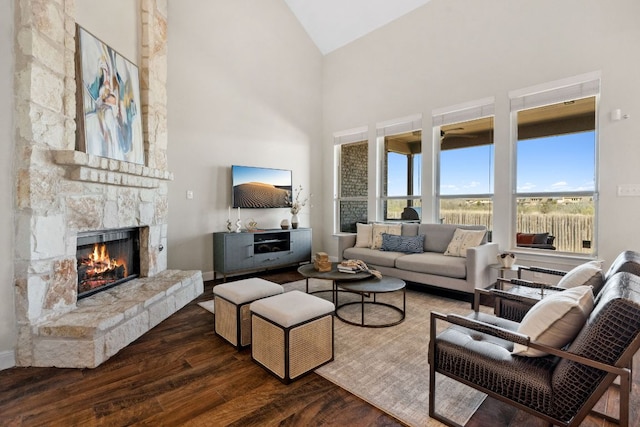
<point>105,323</point>
<point>81,166</point>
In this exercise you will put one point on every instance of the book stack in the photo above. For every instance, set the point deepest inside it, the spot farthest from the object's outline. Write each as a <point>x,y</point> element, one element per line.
<point>321,262</point>
<point>349,266</point>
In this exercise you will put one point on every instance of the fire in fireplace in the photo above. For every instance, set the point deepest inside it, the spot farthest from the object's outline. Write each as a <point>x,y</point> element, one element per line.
<point>107,258</point>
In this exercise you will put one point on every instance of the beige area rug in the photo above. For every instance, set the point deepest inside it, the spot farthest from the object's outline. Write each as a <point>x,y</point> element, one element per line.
<point>207,305</point>
<point>389,367</point>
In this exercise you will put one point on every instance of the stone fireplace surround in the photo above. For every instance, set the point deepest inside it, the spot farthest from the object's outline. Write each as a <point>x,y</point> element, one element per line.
<point>61,192</point>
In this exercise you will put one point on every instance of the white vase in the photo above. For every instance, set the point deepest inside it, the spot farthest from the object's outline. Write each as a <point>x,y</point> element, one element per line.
<point>507,261</point>
<point>294,221</point>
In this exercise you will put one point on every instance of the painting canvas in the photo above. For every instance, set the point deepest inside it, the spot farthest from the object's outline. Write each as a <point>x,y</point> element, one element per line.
<point>108,101</point>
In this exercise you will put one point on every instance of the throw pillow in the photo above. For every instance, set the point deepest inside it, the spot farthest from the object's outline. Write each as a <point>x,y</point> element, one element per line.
<point>555,320</point>
<point>378,229</point>
<point>405,244</point>
<point>589,273</point>
<point>363,238</point>
<point>524,238</point>
<point>463,239</point>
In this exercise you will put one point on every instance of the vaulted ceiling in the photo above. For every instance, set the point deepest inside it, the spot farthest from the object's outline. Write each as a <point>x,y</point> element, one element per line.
<point>332,24</point>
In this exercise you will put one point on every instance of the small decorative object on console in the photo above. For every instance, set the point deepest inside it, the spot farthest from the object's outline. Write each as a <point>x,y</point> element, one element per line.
<point>284,224</point>
<point>252,225</point>
<point>507,259</point>
<point>321,262</point>
<point>297,206</point>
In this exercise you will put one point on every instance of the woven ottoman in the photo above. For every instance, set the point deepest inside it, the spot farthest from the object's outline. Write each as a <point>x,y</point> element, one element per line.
<point>232,317</point>
<point>292,334</point>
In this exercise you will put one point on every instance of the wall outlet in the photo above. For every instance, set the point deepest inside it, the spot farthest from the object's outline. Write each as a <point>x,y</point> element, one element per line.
<point>629,190</point>
<point>189,194</point>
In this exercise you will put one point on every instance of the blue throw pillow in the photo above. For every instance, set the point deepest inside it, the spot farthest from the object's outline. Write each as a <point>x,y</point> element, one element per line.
<point>406,244</point>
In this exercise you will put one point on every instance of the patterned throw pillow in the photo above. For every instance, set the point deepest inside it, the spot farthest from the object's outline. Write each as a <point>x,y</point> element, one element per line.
<point>406,244</point>
<point>463,239</point>
<point>378,229</point>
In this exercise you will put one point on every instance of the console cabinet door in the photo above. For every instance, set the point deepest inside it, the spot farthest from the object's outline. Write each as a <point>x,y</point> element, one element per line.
<point>233,252</point>
<point>300,245</point>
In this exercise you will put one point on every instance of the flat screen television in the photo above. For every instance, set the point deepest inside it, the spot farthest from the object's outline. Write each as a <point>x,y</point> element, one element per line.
<point>255,187</point>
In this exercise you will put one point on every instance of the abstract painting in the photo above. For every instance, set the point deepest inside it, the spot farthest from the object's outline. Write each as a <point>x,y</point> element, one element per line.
<point>108,101</point>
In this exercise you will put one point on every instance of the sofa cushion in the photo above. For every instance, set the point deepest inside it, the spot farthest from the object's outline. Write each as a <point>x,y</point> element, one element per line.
<point>556,320</point>
<point>438,236</point>
<point>364,235</point>
<point>404,244</point>
<point>409,229</point>
<point>378,229</point>
<point>434,263</point>
<point>463,239</point>
<point>373,256</point>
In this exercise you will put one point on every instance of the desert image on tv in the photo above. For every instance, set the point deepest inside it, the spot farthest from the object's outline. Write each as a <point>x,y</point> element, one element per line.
<point>260,195</point>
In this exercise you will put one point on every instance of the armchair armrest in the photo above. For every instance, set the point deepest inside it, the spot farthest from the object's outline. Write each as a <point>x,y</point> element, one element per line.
<point>535,269</point>
<point>527,283</point>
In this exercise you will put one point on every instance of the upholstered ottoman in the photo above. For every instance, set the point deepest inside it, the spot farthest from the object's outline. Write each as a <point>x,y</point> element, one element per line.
<point>292,334</point>
<point>232,318</point>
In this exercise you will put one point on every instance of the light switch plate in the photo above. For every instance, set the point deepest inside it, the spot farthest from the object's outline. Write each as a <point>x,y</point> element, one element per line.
<point>629,190</point>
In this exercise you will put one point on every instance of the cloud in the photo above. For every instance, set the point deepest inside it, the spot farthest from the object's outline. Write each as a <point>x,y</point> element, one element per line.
<point>526,187</point>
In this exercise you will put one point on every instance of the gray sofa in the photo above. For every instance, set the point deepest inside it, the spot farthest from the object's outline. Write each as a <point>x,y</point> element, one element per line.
<point>430,267</point>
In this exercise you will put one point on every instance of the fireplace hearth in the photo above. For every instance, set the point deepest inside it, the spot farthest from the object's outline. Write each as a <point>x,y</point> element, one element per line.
<point>107,258</point>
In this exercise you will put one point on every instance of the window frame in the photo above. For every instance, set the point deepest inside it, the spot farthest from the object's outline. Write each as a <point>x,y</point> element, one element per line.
<point>565,90</point>
<point>473,110</point>
<point>340,139</point>
<point>389,128</point>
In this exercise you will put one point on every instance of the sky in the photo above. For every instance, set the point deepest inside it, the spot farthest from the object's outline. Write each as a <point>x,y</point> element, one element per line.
<point>553,164</point>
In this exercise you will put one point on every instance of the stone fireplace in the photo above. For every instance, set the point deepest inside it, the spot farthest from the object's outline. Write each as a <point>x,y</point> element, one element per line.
<point>63,193</point>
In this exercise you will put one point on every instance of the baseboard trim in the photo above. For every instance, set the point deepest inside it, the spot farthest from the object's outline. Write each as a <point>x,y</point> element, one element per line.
<point>7,359</point>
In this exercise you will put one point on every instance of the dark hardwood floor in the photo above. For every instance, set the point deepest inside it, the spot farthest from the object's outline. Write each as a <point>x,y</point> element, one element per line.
<point>181,373</point>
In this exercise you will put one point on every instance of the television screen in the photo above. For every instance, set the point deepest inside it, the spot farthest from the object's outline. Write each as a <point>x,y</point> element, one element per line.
<point>255,187</point>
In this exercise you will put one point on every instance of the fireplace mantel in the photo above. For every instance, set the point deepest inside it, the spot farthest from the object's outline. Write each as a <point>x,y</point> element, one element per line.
<point>88,168</point>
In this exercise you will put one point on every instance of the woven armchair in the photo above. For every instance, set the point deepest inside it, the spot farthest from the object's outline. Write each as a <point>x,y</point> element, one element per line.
<point>560,388</point>
<point>514,302</point>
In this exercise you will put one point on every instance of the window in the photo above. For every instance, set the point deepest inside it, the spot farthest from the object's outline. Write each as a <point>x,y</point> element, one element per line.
<point>351,203</point>
<point>555,196</point>
<point>402,169</point>
<point>555,190</point>
<point>466,164</point>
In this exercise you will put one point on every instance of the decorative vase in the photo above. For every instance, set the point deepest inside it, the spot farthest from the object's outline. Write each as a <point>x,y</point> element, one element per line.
<point>294,221</point>
<point>506,260</point>
<point>284,224</point>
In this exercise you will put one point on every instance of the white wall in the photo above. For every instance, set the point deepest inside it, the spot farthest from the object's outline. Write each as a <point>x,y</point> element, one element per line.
<point>453,51</point>
<point>7,312</point>
<point>244,88</point>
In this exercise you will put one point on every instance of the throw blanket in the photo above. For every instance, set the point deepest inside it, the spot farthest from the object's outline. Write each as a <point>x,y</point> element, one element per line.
<point>362,266</point>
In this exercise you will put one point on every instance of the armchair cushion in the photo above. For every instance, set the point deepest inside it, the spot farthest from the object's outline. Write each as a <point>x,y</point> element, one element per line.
<point>589,273</point>
<point>556,320</point>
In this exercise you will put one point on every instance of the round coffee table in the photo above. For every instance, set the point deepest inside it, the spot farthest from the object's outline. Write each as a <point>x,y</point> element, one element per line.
<point>373,286</point>
<point>309,272</point>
